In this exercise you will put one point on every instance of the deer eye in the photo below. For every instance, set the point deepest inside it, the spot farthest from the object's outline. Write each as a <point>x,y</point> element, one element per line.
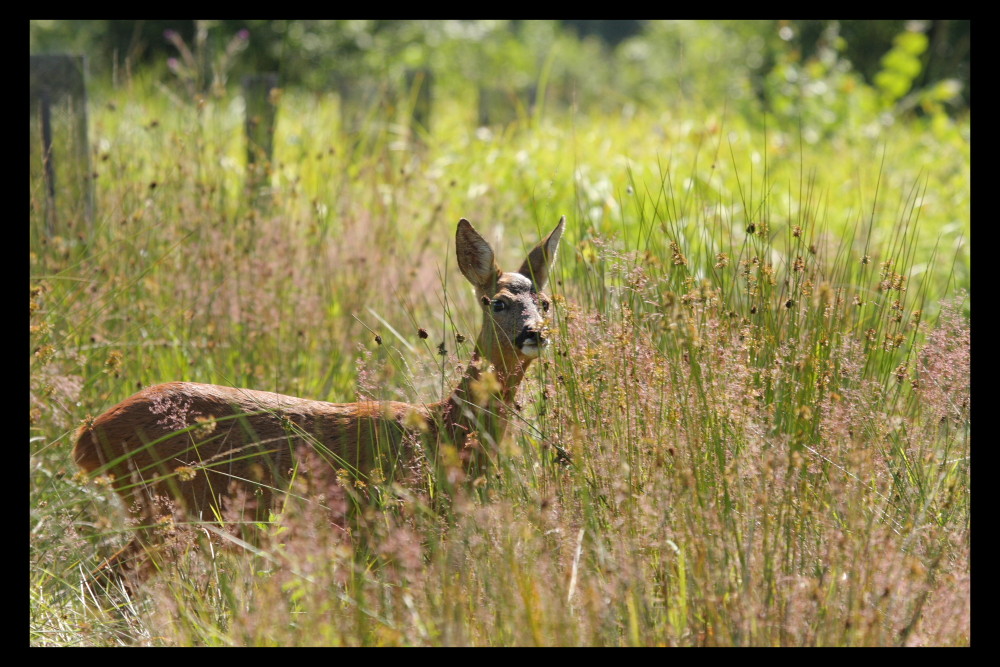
<point>545,305</point>
<point>498,305</point>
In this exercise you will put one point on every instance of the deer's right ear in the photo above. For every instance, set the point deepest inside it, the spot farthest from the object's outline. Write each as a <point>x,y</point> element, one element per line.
<point>536,266</point>
<point>475,258</point>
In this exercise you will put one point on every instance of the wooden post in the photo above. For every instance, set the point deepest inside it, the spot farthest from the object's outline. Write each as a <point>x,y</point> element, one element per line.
<point>503,105</point>
<point>366,108</point>
<point>58,146</point>
<point>419,83</point>
<point>260,95</point>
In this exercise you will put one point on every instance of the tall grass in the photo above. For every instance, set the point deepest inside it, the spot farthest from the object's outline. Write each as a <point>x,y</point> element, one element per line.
<point>760,376</point>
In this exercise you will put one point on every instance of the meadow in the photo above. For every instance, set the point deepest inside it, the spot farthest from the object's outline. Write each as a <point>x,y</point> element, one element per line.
<point>752,426</point>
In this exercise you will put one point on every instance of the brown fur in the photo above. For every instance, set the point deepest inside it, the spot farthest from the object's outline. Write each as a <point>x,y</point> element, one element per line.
<point>197,444</point>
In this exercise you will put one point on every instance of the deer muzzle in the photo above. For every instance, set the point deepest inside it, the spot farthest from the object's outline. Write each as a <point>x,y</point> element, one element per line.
<point>530,342</point>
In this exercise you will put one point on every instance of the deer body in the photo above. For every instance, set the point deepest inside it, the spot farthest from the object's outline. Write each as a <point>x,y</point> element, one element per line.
<point>198,444</point>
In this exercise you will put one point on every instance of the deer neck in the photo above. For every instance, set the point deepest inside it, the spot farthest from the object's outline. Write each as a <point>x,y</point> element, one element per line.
<point>481,403</point>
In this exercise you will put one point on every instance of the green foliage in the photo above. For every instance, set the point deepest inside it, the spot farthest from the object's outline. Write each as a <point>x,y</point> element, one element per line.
<point>764,402</point>
<point>901,66</point>
<point>709,62</point>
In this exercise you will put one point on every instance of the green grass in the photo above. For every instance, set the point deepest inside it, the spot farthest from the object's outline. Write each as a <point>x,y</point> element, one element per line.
<point>764,399</point>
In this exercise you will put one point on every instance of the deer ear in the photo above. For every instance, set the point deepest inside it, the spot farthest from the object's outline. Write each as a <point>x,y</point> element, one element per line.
<point>475,258</point>
<point>536,265</point>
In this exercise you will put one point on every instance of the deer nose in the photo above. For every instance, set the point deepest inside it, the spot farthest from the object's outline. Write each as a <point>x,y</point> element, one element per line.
<point>530,335</point>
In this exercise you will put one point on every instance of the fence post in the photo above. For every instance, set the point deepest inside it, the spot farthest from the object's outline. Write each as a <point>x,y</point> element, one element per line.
<point>59,150</point>
<point>419,84</point>
<point>260,95</point>
<point>503,105</point>
<point>366,108</point>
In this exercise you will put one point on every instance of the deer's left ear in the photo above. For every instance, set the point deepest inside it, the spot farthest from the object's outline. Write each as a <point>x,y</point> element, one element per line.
<point>475,258</point>
<point>536,266</point>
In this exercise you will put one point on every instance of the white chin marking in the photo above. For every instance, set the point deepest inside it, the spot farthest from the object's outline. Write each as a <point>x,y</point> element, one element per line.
<point>531,349</point>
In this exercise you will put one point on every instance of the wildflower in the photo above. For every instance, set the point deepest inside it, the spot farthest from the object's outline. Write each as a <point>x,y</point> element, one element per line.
<point>45,353</point>
<point>678,257</point>
<point>414,421</point>
<point>40,329</point>
<point>113,363</point>
<point>165,524</point>
<point>102,480</point>
<point>484,387</point>
<point>205,427</point>
<point>768,270</point>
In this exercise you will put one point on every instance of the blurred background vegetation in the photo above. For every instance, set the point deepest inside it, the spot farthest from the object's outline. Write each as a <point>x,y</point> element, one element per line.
<point>779,66</point>
<point>767,410</point>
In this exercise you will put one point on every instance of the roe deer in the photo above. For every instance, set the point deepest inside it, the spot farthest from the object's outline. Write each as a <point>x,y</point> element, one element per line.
<point>198,444</point>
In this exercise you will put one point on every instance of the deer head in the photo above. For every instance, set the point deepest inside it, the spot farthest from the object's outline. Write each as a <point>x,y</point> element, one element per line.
<point>513,305</point>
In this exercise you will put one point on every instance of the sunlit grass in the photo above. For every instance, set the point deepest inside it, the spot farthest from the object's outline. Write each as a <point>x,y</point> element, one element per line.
<point>765,404</point>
